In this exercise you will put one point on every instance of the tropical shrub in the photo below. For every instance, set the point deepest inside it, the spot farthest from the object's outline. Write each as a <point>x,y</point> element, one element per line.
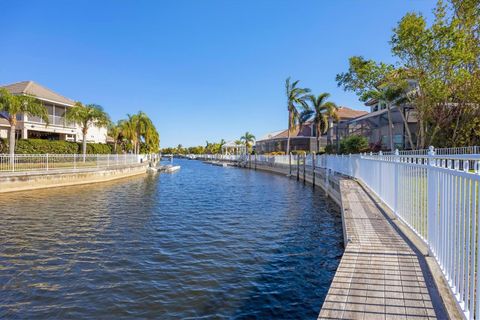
<point>354,144</point>
<point>41,146</point>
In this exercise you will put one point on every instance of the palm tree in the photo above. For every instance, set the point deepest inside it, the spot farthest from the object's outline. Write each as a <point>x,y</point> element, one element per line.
<point>86,116</point>
<point>248,139</point>
<point>13,105</point>
<point>296,98</point>
<point>115,131</point>
<point>323,112</point>
<point>129,130</point>
<point>389,95</point>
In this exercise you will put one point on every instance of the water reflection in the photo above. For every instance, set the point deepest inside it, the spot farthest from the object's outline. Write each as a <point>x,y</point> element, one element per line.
<point>206,242</point>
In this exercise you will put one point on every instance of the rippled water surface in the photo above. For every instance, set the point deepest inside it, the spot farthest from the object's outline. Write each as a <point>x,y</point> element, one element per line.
<point>207,242</point>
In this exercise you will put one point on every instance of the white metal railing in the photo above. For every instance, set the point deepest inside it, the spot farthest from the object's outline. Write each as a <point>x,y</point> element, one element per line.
<point>49,162</point>
<point>436,195</point>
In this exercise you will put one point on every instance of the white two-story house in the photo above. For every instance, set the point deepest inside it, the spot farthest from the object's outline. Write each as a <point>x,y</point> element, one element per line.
<point>59,128</point>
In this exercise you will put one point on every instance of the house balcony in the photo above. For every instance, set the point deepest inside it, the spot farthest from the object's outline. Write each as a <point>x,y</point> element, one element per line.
<point>55,121</point>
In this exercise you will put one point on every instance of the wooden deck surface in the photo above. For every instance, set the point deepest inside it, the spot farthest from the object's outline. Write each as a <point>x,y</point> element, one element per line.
<point>380,275</point>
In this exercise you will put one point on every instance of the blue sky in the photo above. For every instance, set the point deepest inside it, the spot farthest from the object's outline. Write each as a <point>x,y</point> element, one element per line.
<point>202,70</point>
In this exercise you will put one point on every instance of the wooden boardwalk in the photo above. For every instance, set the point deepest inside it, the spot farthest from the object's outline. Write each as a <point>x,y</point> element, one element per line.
<point>381,275</point>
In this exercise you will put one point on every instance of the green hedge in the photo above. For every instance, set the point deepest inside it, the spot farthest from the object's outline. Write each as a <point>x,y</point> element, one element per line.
<point>41,146</point>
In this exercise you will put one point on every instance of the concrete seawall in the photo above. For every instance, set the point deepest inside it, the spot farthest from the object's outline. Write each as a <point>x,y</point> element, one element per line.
<point>21,181</point>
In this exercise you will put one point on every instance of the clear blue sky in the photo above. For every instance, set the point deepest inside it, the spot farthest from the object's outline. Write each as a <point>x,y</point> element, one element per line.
<point>201,69</point>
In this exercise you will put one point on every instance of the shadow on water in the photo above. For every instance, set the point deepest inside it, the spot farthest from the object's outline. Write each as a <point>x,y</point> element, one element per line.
<point>206,242</point>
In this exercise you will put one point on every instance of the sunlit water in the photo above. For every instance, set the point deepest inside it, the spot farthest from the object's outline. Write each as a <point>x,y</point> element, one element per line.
<point>207,242</point>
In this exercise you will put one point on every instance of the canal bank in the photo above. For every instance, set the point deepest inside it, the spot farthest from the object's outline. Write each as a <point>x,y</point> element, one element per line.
<point>30,180</point>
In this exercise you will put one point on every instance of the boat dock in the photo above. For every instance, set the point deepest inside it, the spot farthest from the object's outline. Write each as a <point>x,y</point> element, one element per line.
<point>381,275</point>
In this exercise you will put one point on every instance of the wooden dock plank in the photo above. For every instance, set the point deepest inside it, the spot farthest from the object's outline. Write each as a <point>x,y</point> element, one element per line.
<point>380,275</point>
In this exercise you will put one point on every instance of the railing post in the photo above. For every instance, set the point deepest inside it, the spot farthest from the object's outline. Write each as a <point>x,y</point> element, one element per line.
<point>47,161</point>
<point>313,169</point>
<point>290,164</point>
<point>74,161</point>
<point>255,161</point>
<point>431,200</point>
<point>304,167</point>
<point>298,167</point>
<point>396,182</point>
<point>108,160</point>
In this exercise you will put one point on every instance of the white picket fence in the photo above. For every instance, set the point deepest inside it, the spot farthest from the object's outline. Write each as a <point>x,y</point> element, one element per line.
<point>50,162</point>
<point>435,192</point>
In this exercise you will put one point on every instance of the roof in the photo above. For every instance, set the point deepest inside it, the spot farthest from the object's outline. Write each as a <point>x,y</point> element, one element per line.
<point>34,89</point>
<point>270,135</point>
<point>348,113</point>
<point>231,144</point>
<point>4,122</point>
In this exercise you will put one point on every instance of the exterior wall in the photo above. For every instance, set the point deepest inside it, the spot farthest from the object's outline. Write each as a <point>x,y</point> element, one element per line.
<point>3,133</point>
<point>94,134</point>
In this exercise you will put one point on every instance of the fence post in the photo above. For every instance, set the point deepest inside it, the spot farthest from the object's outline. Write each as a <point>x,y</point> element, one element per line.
<point>255,160</point>
<point>304,166</point>
<point>290,163</point>
<point>431,200</point>
<point>47,161</point>
<point>74,161</point>
<point>108,160</point>
<point>395,181</point>
<point>298,167</point>
<point>313,169</point>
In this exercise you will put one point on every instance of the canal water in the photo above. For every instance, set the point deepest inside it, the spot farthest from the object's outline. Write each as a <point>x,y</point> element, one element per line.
<point>204,243</point>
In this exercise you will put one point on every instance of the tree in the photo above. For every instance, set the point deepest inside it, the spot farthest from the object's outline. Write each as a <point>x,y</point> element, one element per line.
<point>296,98</point>
<point>322,112</point>
<point>115,132</point>
<point>248,139</point>
<point>141,132</point>
<point>14,105</point>
<point>86,116</point>
<point>380,82</point>
<point>443,59</point>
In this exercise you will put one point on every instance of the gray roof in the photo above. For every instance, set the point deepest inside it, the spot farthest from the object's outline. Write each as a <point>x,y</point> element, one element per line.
<point>34,89</point>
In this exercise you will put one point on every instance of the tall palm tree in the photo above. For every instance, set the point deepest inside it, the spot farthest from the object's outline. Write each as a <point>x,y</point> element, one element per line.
<point>248,139</point>
<point>86,116</point>
<point>13,105</point>
<point>115,131</point>
<point>323,111</point>
<point>296,98</point>
<point>389,95</point>
<point>129,130</point>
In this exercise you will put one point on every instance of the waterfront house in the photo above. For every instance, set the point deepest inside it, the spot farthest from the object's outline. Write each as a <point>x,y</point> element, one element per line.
<point>303,138</point>
<point>58,128</point>
<point>374,126</point>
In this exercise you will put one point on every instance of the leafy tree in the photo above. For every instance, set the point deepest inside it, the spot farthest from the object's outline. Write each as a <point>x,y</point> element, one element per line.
<point>13,105</point>
<point>86,116</point>
<point>443,59</point>
<point>296,98</point>
<point>378,81</point>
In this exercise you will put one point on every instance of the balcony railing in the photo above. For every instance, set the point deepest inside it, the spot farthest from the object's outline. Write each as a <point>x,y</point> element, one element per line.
<point>53,121</point>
